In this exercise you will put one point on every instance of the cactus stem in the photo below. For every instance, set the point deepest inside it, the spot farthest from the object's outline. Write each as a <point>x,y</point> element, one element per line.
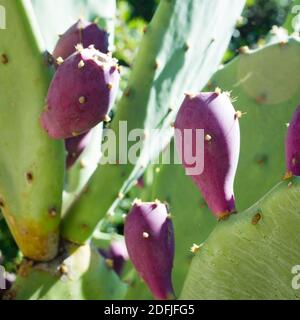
<point>145,235</point>
<point>256,218</point>
<point>4,58</point>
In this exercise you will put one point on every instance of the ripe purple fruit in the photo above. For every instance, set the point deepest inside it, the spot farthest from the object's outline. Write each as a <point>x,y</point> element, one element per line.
<point>83,32</point>
<point>75,146</point>
<point>214,113</point>
<point>81,94</point>
<point>149,239</point>
<point>117,254</point>
<point>292,145</point>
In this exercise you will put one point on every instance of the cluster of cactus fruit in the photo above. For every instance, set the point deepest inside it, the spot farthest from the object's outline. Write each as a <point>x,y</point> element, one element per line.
<point>81,95</point>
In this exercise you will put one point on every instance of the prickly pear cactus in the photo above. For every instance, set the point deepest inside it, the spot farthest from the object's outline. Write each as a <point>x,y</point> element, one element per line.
<point>31,164</point>
<point>55,16</point>
<point>251,255</point>
<point>170,53</point>
<point>263,161</point>
<point>267,103</point>
<point>79,273</point>
<point>149,237</point>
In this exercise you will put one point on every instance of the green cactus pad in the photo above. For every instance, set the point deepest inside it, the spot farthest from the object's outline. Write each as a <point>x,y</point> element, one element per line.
<point>84,275</point>
<point>171,60</point>
<point>31,165</point>
<point>251,255</point>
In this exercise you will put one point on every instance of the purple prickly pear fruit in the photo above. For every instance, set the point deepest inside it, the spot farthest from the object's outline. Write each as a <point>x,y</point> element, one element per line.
<point>83,32</point>
<point>81,94</point>
<point>292,146</point>
<point>75,146</point>
<point>213,113</point>
<point>149,239</point>
<point>117,254</point>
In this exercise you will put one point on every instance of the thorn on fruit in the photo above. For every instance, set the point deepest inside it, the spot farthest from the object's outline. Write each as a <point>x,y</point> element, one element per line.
<point>81,64</point>
<point>208,138</point>
<point>218,91</point>
<point>145,235</point>
<point>82,100</point>
<point>107,118</point>
<point>59,61</point>
<point>239,114</point>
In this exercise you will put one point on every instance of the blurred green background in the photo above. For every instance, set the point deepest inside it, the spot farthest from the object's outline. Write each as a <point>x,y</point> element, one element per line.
<point>133,16</point>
